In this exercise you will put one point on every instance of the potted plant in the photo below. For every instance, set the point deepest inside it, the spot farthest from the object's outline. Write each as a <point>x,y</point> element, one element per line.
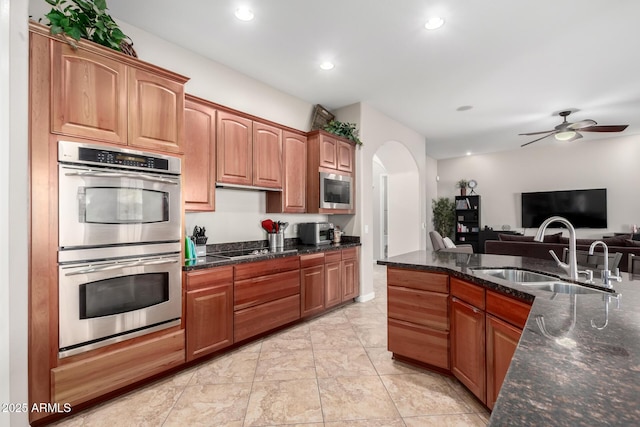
<point>443,216</point>
<point>87,19</point>
<point>462,185</point>
<point>345,130</point>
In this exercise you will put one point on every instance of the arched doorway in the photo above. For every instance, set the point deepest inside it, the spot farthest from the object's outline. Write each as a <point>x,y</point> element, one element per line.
<point>396,201</point>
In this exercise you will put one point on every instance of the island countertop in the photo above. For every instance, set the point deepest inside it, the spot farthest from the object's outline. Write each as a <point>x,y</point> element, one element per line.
<point>576,373</point>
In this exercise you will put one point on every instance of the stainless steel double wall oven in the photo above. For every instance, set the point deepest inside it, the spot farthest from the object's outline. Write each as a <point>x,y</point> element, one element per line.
<point>120,270</point>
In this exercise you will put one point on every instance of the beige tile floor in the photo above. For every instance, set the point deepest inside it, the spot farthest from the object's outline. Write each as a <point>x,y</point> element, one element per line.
<point>331,371</point>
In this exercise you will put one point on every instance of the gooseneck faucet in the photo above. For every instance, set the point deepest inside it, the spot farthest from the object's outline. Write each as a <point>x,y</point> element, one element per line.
<point>572,266</point>
<point>607,275</point>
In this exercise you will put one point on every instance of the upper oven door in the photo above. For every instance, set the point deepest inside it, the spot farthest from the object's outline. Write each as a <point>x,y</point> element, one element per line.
<point>109,206</point>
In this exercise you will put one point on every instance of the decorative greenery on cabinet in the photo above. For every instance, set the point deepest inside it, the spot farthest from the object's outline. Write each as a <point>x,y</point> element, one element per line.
<point>345,130</point>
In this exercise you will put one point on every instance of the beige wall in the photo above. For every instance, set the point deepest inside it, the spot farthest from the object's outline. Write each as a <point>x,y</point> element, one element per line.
<point>550,165</point>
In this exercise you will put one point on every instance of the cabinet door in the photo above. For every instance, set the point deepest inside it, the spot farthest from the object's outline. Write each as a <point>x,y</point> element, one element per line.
<point>468,346</point>
<point>292,198</point>
<point>89,95</point>
<point>267,156</point>
<point>333,285</point>
<point>502,340</point>
<point>328,152</point>
<point>312,290</point>
<point>156,112</point>
<point>209,321</point>
<point>350,276</point>
<point>345,156</point>
<point>234,148</point>
<point>199,156</point>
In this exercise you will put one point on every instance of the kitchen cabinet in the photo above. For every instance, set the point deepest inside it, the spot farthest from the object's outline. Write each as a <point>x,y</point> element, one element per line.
<point>292,198</point>
<point>312,278</point>
<point>350,270</point>
<point>266,295</point>
<point>330,154</point>
<point>209,311</point>
<point>468,336</point>
<point>418,316</point>
<point>199,172</point>
<point>505,319</point>
<point>333,284</point>
<point>234,149</point>
<point>249,152</point>
<point>105,96</point>
<point>267,155</point>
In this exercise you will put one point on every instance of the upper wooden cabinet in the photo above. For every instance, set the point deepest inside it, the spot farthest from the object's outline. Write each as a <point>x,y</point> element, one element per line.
<point>89,95</point>
<point>199,172</point>
<point>292,198</point>
<point>335,153</point>
<point>235,148</point>
<point>267,156</point>
<point>249,152</point>
<point>156,107</point>
<point>107,96</point>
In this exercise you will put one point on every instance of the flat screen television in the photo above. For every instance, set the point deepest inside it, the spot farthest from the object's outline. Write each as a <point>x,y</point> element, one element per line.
<point>583,208</point>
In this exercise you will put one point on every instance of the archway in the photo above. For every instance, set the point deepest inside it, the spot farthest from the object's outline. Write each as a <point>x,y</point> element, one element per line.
<point>396,200</point>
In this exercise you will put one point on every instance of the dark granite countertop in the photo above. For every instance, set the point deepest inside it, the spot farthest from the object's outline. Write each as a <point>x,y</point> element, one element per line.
<point>211,260</point>
<point>573,374</point>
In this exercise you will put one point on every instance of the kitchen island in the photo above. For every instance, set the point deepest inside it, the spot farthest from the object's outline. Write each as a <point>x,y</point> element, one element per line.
<point>583,369</point>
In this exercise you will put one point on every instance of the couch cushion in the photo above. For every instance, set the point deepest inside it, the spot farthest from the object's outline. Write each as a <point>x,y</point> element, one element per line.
<point>616,241</point>
<point>632,243</point>
<point>448,243</point>
<point>548,238</point>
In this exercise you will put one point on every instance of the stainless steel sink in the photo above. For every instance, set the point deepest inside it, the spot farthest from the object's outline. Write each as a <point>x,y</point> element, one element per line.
<point>565,288</point>
<point>516,275</point>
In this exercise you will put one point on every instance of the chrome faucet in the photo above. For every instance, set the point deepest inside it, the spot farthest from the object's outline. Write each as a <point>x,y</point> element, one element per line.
<point>572,266</point>
<point>607,276</point>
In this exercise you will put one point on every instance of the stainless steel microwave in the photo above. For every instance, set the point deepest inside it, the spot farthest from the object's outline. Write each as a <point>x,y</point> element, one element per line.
<point>336,191</point>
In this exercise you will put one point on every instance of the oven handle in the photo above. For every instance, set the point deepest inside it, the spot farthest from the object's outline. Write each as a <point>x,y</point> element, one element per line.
<point>141,176</point>
<point>120,266</point>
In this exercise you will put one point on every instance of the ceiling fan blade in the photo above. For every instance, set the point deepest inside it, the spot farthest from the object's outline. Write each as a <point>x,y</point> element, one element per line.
<point>605,128</point>
<point>537,133</point>
<point>536,140</point>
<point>582,124</point>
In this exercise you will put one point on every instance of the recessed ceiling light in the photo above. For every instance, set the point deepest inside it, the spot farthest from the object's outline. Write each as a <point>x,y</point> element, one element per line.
<point>468,153</point>
<point>244,14</point>
<point>326,65</point>
<point>434,23</point>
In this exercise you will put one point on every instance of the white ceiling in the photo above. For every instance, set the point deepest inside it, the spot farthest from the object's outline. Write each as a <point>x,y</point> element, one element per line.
<point>516,62</point>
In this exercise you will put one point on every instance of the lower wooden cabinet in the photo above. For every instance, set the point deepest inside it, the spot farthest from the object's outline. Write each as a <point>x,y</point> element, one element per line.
<point>350,267</point>
<point>418,316</point>
<point>264,317</point>
<point>312,278</point>
<point>502,340</point>
<point>468,346</point>
<point>209,311</point>
<point>333,278</point>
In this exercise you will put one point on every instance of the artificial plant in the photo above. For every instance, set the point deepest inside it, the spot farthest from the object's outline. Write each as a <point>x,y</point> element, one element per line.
<point>87,19</point>
<point>346,130</point>
<point>443,216</point>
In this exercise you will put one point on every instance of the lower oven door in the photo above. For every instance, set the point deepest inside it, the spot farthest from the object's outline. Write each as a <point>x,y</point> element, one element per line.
<point>105,302</point>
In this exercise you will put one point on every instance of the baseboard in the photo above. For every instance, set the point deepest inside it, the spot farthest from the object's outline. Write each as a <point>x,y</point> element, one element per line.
<point>366,297</point>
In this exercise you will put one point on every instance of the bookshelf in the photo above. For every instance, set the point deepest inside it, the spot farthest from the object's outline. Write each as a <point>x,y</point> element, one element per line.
<point>468,221</point>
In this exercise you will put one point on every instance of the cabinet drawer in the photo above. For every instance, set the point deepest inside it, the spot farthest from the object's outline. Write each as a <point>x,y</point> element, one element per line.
<point>311,260</point>
<point>350,253</point>
<point>208,277</point>
<point>259,290</point>
<point>468,292</point>
<point>420,307</point>
<point>419,343</point>
<point>510,309</point>
<point>263,268</point>
<point>264,317</point>
<point>422,280</point>
<point>98,375</point>
<point>332,256</point>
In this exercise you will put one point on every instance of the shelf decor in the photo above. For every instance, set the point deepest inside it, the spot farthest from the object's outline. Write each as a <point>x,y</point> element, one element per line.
<point>462,185</point>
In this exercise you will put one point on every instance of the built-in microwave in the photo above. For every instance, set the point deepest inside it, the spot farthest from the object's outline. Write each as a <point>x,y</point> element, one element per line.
<point>336,191</point>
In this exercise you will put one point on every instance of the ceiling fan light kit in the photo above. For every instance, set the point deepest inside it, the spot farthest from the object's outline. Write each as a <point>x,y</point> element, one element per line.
<point>567,131</point>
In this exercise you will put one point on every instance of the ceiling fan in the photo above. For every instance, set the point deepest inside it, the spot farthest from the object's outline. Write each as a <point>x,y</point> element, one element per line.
<point>567,131</point>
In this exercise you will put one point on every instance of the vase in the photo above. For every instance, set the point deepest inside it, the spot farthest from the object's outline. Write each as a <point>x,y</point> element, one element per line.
<point>463,191</point>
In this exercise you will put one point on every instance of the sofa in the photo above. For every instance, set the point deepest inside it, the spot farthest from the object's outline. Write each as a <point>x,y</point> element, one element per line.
<point>525,246</point>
